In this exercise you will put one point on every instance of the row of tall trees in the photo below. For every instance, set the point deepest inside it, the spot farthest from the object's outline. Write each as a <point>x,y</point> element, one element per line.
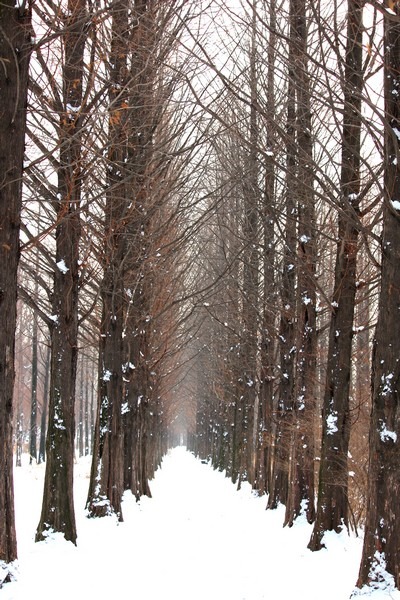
<point>112,219</point>
<point>305,162</point>
<point>204,193</point>
<point>102,234</point>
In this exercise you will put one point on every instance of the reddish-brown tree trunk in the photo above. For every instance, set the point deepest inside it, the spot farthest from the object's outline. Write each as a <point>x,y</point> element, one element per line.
<point>301,466</point>
<point>382,530</point>
<point>58,507</point>
<point>284,409</point>
<point>332,508</point>
<point>267,326</point>
<point>122,243</point>
<point>15,48</point>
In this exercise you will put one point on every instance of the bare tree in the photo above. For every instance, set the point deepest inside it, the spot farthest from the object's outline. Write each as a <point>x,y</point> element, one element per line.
<point>301,465</point>
<point>58,508</point>
<point>15,49</point>
<point>287,320</point>
<point>332,509</point>
<point>269,292</point>
<point>380,550</point>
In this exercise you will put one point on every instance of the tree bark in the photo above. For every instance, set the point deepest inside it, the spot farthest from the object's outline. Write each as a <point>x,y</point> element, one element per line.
<point>107,474</point>
<point>139,277</point>
<point>382,529</point>
<point>15,49</point>
<point>43,420</point>
<point>58,507</point>
<point>332,508</point>
<point>267,327</point>
<point>34,385</point>
<point>249,377</point>
<point>301,466</point>
<point>284,409</point>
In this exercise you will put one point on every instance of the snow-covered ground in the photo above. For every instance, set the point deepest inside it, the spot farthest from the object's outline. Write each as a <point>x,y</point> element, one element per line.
<point>197,538</point>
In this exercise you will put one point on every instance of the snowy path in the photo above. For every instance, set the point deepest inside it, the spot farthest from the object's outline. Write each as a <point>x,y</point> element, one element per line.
<point>198,538</point>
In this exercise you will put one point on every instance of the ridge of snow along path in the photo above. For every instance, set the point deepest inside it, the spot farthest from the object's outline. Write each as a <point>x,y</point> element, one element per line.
<point>197,538</point>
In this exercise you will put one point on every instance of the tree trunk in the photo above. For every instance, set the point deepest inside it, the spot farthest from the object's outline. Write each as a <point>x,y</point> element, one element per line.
<point>301,466</point>
<point>87,384</point>
<point>283,411</point>
<point>58,507</point>
<point>81,414</point>
<point>15,48</point>
<point>34,384</point>
<point>106,480</point>
<point>139,276</point>
<point>43,420</point>
<point>19,403</point>
<point>107,474</point>
<point>248,344</point>
<point>267,327</point>
<point>332,509</point>
<point>382,530</point>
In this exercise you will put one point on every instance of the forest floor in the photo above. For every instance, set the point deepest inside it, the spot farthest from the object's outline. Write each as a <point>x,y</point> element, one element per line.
<point>197,538</point>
